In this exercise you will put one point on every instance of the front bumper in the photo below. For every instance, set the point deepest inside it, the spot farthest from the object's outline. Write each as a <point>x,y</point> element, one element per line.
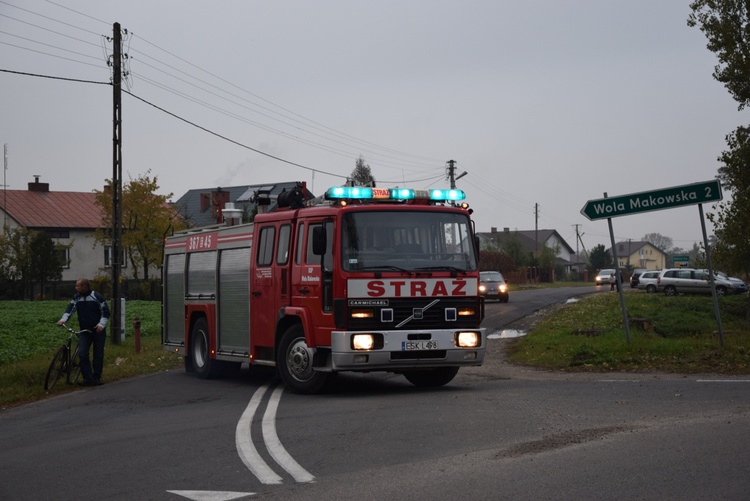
<point>393,356</point>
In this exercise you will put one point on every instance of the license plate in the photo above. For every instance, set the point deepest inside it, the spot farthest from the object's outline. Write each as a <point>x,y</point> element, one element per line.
<point>419,345</point>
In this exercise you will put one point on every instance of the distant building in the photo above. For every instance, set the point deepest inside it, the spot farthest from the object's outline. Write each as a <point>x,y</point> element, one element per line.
<point>639,255</point>
<point>205,206</point>
<point>532,241</point>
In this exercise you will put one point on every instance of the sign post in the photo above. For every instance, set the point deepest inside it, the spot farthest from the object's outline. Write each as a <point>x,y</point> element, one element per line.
<point>647,201</point>
<point>680,261</point>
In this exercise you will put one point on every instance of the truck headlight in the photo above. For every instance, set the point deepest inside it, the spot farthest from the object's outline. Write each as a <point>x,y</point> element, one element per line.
<point>362,342</point>
<point>367,341</point>
<point>468,339</point>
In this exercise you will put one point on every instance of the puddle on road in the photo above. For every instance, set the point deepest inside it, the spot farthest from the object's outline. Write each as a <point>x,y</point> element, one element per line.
<point>510,333</point>
<point>506,333</point>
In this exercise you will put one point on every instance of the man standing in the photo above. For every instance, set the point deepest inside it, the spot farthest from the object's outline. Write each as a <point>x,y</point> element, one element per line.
<point>93,315</point>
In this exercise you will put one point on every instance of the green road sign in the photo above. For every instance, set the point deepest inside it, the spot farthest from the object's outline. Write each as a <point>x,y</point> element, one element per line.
<point>680,259</point>
<point>647,201</point>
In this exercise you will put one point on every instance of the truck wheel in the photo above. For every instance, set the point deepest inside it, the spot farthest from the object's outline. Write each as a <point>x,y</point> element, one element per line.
<point>295,364</point>
<point>432,377</point>
<point>204,366</point>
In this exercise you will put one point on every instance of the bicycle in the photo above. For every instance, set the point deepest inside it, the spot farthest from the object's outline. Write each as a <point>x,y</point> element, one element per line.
<point>65,361</point>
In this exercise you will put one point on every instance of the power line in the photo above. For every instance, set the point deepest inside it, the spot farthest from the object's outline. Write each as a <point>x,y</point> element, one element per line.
<point>53,77</point>
<point>384,157</point>
<point>282,108</point>
<point>230,140</point>
<point>45,17</point>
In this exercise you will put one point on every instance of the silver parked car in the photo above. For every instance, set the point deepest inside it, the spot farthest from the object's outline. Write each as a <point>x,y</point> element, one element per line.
<point>647,281</point>
<point>674,281</point>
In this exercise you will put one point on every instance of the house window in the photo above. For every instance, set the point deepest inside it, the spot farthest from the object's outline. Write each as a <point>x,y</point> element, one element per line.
<point>64,256</point>
<point>108,257</point>
<point>57,233</point>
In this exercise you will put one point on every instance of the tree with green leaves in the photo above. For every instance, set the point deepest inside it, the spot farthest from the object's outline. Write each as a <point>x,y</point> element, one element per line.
<point>29,257</point>
<point>599,258</point>
<point>362,174</point>
<point>513,247</point>
<point>146,218</point>
<point>726,25</point>
<point>732,217</point>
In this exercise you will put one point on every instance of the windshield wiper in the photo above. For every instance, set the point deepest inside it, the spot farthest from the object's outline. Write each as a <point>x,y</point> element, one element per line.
<point>444,267</point>
<point>386,267</point>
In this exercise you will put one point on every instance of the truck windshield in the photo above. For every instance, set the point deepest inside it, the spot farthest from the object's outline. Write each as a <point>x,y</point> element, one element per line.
<point>407,241</point>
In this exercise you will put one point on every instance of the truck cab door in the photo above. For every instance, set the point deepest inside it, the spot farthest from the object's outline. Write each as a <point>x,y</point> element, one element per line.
<point>312,275</point>
<point>270,281</point>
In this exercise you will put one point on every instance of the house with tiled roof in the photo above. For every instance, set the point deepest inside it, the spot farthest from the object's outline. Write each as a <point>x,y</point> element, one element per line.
<point>204,206</point>
<point>69,218</point>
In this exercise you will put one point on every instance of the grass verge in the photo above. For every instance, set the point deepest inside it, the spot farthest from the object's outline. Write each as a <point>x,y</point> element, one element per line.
<point>29,338</point>
<point>589,335</point>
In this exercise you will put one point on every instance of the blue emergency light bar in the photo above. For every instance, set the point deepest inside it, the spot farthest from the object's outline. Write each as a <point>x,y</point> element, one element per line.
<point>447,195</point>
<point>386,194</point>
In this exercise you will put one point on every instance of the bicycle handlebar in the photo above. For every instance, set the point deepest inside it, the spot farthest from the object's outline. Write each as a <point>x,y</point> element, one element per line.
<point>74,331</point>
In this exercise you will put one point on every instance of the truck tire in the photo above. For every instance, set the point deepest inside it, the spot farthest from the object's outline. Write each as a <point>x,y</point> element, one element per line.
<point>432,377</point>
<point>200,357</point>
<point>295,364</point>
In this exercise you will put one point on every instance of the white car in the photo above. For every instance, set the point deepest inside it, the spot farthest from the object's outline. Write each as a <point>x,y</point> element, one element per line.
<point>690,281</point>
<point>647,281</point>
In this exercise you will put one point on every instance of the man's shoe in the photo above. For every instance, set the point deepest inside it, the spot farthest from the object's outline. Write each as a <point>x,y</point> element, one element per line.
<point>86,383</point>
<point>98,382</point>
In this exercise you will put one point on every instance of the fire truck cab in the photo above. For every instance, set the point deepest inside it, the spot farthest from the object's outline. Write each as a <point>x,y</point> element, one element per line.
<point>362,279</point>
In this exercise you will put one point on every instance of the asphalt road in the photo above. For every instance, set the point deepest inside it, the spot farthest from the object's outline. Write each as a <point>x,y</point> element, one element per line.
<point>497,432</point>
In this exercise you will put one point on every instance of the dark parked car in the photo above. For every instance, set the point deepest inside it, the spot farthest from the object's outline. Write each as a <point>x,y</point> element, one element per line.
<point>492,286</point>
<point>635,277</point>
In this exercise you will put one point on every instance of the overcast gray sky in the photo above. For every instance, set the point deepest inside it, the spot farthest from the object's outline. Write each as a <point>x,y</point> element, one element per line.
<point>547,102</point>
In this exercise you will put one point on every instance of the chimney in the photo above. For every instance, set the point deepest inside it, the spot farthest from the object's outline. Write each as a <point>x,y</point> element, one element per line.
<point>493,229</point>
<point>218,199</point>
<point>205,201</point>
<point>506,230</point>
<point>37,186</point>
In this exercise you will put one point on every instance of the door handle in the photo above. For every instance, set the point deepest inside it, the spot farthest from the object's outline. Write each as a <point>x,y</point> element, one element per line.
<point>256,293</point>
<point>304,291</point>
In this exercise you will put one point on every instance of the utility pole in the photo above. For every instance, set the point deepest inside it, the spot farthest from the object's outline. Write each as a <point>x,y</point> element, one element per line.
<point>578,257</point>
<point>116,328</point>
<point>536,229</point>
<point>5,185</point>
<point>452,173</point>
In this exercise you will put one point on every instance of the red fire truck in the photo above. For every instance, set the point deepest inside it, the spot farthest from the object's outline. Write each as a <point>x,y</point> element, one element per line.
<point>362,279</point>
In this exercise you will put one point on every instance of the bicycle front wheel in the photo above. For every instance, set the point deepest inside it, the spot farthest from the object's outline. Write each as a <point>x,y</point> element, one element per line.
<point>56,368</point>
<point>74,372</point>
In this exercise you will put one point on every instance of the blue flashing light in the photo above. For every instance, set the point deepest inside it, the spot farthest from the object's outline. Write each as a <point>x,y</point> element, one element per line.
<point>349,192</point>
<point>402,194</point>
<point>393,194</point>
<point>446,195</point>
